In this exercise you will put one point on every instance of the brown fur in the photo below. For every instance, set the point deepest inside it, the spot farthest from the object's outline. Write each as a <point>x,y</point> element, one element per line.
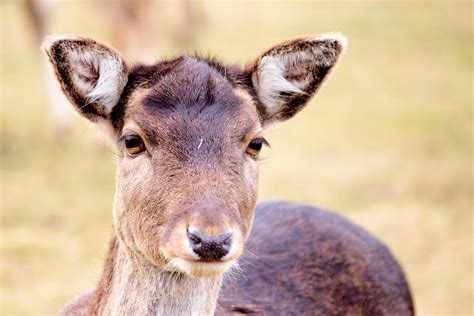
<point>326,266</point>
<point>196,118</point>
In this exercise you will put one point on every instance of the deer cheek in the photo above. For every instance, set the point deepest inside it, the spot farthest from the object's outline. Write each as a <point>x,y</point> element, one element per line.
<point>247,209</point>
<point>121,222</point>
<point>134,201</point>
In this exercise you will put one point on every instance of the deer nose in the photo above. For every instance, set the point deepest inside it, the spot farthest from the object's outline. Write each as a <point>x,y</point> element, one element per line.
<point>209,247</point>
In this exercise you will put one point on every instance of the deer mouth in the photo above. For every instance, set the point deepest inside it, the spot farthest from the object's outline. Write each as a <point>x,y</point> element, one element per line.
<point>202,268</point>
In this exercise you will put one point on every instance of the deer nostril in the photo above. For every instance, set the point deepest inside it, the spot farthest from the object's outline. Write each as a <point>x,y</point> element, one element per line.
<point>227,239</point>
<point>194,239</point>
<point>209,247</point>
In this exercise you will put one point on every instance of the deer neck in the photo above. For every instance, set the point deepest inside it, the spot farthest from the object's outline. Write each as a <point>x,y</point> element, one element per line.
<point>133,286</point>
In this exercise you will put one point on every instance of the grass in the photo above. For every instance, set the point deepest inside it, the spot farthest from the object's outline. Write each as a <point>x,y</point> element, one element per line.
<point>388,143</point>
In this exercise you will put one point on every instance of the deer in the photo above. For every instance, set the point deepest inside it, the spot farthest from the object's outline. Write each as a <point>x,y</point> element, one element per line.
<point>188,133</point>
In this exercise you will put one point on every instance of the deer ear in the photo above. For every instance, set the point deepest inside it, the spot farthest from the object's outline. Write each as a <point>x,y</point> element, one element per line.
<point>288,75</point>
<point>91,74</point>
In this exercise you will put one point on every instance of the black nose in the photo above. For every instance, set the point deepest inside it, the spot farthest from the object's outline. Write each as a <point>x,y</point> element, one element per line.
<point>209,247</point>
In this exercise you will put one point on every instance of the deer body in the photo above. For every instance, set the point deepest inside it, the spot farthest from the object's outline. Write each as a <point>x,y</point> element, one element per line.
<point>302,260</point>
<point>188,133</point>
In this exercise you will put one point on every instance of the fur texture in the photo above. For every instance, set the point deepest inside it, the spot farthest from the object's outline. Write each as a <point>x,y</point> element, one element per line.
<point>301,260</point>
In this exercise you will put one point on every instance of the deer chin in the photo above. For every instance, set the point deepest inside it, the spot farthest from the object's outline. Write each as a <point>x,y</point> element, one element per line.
<point>201,269</point>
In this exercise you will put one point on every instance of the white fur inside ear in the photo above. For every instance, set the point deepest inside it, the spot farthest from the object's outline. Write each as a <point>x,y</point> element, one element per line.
<point>99,76</point>
<point>289,69</point>
<point>271,80</point>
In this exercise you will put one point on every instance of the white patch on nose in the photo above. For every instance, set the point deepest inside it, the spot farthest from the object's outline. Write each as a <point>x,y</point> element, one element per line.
<point>200,142</point>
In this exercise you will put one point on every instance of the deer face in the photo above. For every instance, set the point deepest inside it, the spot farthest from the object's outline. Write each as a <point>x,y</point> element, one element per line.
<point>188,133</point>
<point>187,173</point>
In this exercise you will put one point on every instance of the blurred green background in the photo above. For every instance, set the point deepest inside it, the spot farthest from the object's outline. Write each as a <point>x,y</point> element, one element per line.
<point>387,142</point>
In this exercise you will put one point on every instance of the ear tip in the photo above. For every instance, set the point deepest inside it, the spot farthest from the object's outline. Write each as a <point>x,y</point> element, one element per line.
<point>338,37</point>
<point>50,40</point>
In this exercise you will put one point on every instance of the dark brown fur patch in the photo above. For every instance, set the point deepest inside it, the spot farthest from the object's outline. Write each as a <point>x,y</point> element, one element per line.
<point>165,96</point>
<point>140,76</point>
<point>300,260</point>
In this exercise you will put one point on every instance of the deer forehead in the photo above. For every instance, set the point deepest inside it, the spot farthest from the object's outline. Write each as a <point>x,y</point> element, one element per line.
<point>191,102</point>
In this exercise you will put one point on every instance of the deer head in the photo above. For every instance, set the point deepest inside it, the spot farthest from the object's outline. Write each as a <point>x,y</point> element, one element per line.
<point>188,133</point>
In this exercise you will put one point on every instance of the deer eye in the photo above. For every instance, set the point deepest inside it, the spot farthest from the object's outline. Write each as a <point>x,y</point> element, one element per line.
<point>254,147</point>
<point>134,145</point>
